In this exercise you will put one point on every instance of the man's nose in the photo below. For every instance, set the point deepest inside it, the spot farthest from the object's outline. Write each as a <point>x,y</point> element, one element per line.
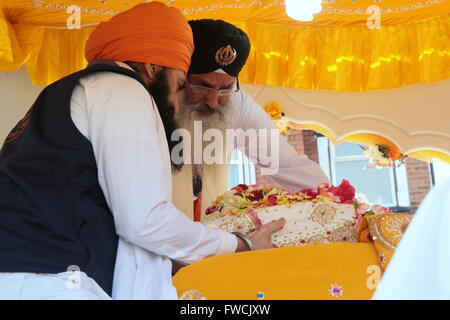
<point>176,105</point>
<point>212,100</point>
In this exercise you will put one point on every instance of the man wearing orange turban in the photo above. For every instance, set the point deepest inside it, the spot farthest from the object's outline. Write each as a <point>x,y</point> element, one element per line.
<point>85,176</point>
<point>149,33</point>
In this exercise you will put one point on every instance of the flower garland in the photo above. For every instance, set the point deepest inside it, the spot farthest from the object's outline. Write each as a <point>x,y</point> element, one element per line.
<point>383,156</point>
<point>275,111</point>
<point>243,199</point>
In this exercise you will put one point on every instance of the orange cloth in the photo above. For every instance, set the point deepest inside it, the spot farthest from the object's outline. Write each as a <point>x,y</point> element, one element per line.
<point>198,209</point>
<point>148,32</point>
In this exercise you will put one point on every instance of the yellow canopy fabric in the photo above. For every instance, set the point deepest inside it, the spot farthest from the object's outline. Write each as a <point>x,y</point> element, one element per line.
<point>336,51</point>
<point>291,273</point>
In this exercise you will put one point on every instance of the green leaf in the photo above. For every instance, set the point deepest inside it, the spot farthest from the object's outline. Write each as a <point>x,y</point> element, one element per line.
<point>356,204</point>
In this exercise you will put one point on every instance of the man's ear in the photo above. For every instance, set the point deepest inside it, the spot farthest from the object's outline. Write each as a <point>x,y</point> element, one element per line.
<point>152,70</point>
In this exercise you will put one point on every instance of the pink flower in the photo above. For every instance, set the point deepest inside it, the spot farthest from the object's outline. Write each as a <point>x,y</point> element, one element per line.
<point>211,209</point>
<point>377,209</point>
<point>272,200</point>
<point>358,219</point>
<point>361,207</point>
<point>256,220</point>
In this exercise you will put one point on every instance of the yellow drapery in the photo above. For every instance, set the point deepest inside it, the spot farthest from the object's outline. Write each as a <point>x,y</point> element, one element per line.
<point>336,51</point>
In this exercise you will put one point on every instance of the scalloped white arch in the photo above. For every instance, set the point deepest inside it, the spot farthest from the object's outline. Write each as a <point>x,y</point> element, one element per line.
<point>415,117</point>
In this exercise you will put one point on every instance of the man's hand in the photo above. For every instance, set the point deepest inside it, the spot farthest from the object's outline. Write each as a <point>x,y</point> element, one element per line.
<point>262,238</point>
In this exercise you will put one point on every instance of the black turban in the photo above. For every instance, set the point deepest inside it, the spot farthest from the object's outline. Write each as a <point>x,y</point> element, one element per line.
<point>218,45</point>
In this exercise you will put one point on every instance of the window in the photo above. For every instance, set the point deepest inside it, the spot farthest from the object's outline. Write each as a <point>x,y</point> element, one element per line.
<point>387,186</point>
<point>240,170</point>
<point>440,171</point>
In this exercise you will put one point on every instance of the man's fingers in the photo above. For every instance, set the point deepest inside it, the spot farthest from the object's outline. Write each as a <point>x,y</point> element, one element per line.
<point>275,225</point>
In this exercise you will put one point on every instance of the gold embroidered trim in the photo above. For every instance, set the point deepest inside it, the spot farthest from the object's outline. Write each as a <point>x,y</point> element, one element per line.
<point>218,5</point>
<point>336,291</point>
<point>410,7</point>
<point>376,235</point>
<point>400,221</point>
<point>41,4</point>
<point>193,295</point>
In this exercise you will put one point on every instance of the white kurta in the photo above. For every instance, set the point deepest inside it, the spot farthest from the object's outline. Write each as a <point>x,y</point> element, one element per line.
<point>295,171</point>
<point>419,269</point>
<point>119,117</point>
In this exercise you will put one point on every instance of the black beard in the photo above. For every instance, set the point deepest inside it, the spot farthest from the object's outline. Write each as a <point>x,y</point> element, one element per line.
<point>159,90</point>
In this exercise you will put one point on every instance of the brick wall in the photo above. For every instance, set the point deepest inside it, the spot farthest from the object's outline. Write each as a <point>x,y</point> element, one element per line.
<point>419,181</point>
<point>418,173</point>
<point>304,142</point>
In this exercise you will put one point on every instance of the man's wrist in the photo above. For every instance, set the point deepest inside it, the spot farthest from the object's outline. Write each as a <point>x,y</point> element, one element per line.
<point>241,245</point>
<point>244,243</point>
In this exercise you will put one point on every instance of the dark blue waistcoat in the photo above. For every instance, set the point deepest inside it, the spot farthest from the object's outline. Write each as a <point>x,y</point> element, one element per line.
<point>53,213</point>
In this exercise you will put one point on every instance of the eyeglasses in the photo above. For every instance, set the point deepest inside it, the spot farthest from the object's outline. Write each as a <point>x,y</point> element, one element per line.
<point>201,90</point>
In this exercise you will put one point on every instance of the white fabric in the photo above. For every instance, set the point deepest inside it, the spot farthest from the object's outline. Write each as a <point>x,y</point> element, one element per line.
<point>61,286</point>
<point>118,116</point>
<point>220,71</point>
<point>295,171</point>
<point>420,266</point>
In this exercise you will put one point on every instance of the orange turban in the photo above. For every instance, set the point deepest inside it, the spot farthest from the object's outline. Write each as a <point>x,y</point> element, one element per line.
<point>148,32</point>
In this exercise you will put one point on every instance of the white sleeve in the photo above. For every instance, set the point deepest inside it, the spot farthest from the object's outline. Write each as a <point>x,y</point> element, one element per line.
<point>295,171</point>
<point>134,171</point>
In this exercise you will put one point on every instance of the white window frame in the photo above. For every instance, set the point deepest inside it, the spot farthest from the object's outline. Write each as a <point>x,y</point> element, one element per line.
<point>246,170</point>
<point>439,171</point>
<point>397,176</point>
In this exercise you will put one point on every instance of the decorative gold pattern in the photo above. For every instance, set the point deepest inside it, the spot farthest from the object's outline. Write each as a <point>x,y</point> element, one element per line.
<point>336,291</point>
<point>323,214</point>
<point>317,238</point>
<point>192,295</point>
<point>328,8</point>
<point>241,223</point>
<point>410,7</point>
<point>226,56</point>
<point>307,223</point>
<point>388,229</point>
<point>41,4</point>
<point>217,5</point>
<point>344,233</point>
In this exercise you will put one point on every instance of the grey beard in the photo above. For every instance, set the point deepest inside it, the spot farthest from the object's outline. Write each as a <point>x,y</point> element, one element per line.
<point>221,118</point>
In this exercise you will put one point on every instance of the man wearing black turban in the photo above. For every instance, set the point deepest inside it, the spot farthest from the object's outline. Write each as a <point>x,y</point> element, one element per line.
<point>213,96</point>
<point>221,46</point>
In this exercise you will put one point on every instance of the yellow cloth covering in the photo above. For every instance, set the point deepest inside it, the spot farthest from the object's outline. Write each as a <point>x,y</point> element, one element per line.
<point>336,51</point>
<point>387,230</point>
<point>302,272</point>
